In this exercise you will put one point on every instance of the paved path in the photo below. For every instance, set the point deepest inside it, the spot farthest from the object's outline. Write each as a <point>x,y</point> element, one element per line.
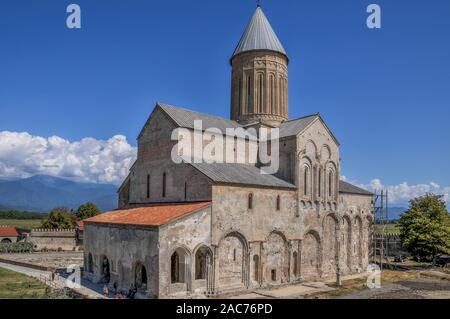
<point>87,288</point>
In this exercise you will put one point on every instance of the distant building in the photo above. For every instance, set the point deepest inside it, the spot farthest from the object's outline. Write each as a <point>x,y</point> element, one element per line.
<point>80,232</point>
<point>194,229</point>
<point>8,234</point>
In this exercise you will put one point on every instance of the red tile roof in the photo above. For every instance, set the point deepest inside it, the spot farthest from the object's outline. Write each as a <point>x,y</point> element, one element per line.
<point>8,231</point>
<point>153,215</point>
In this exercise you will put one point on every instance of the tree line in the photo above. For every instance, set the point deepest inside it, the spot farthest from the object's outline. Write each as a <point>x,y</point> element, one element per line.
<point>63,218</point>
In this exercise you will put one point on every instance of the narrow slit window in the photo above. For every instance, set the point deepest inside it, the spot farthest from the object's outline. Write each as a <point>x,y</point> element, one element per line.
<point>164,185</point>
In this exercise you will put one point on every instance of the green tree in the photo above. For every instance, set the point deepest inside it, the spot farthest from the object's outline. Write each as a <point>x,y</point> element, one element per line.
<point>425,227</point>
<point>59,218</point>
<point>86,211</point>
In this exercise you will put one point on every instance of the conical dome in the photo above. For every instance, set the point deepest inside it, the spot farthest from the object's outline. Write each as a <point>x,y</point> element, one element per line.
<point>259,35</point>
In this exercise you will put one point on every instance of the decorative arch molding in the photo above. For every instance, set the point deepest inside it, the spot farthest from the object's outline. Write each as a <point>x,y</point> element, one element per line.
<point>233,254</point>
<point>336,218</point>
<point>235,233</point>
<point>276,258</point>
<point>311,147</point>
<point>314,233</point>
<point>279,233</point>
<point>311,256</point>
<point>201,245</point>
<point>324,156</point>
<point>306,177</point>
<point>180,247</point>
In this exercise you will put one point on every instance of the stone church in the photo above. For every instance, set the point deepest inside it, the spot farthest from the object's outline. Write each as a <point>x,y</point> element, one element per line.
<point>185,230</point>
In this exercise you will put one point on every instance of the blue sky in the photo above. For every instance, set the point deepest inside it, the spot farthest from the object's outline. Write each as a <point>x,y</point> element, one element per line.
<point>385,93</point>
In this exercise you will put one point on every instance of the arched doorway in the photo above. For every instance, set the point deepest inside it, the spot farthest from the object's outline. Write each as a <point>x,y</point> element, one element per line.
<point>140,277</point>
<point>329,256</point>
<point>232,263</point>
<point>276,263</point>
<point>311,259</point>
<point>105,273</point>
<point>6,241</point>
<point>179,266</point>
<point>203,260</point>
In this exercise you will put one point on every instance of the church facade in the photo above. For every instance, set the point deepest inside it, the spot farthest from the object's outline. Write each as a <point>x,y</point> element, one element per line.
<point>203,228</point>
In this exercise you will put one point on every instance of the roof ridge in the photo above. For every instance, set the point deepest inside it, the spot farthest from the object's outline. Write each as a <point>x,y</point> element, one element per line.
<point>301,118</point>
<point>192,111</point>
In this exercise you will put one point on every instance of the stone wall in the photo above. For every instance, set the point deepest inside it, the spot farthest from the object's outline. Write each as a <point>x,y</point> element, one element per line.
<point>119,251</point>
<point>357,231</point>
<point>196,239</point>
<point>50,239</point>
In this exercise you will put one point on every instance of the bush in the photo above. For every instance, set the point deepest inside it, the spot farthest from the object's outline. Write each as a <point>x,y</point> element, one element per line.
<point>60,218</point>
<point>11,248</point>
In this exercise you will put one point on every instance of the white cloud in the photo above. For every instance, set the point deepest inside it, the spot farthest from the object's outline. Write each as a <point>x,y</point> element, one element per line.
<point>403,192</point>
<point>91,160</point>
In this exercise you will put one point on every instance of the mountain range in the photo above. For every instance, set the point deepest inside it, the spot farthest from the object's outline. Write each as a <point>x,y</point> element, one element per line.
<point>41,193</point>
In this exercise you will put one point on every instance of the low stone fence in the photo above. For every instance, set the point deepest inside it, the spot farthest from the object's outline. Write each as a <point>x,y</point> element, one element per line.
<point>53,239</point>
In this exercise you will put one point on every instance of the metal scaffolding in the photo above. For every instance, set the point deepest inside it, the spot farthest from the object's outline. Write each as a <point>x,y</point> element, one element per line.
<point>381,214</point>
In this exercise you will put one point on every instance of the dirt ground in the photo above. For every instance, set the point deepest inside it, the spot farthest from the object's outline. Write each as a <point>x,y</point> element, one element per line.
<point>57,260</point>
<point>395,285</point>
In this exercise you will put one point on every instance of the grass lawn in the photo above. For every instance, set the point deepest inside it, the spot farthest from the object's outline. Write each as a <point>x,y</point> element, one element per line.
<point>21,223</point>
<point>17,286</point>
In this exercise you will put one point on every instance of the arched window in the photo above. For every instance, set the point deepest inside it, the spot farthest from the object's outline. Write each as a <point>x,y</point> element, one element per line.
<point>330,183</point>
<point>164,185</point>
<point>305,182</point>
<point>281,96</point>
<point>178,266</point>
<point>105,274</point>
<point>240,96</point>
<point>272,94</point>
<point>148,186</point>
<point>320,183</point>
<point>261,93</point>
<point>202,259</point>
<point>250,201</point>
<point>140,278</point>
<point>278,202</point>
<point>256,267</point>
<point>249,95</point>
<point>274,274</point>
